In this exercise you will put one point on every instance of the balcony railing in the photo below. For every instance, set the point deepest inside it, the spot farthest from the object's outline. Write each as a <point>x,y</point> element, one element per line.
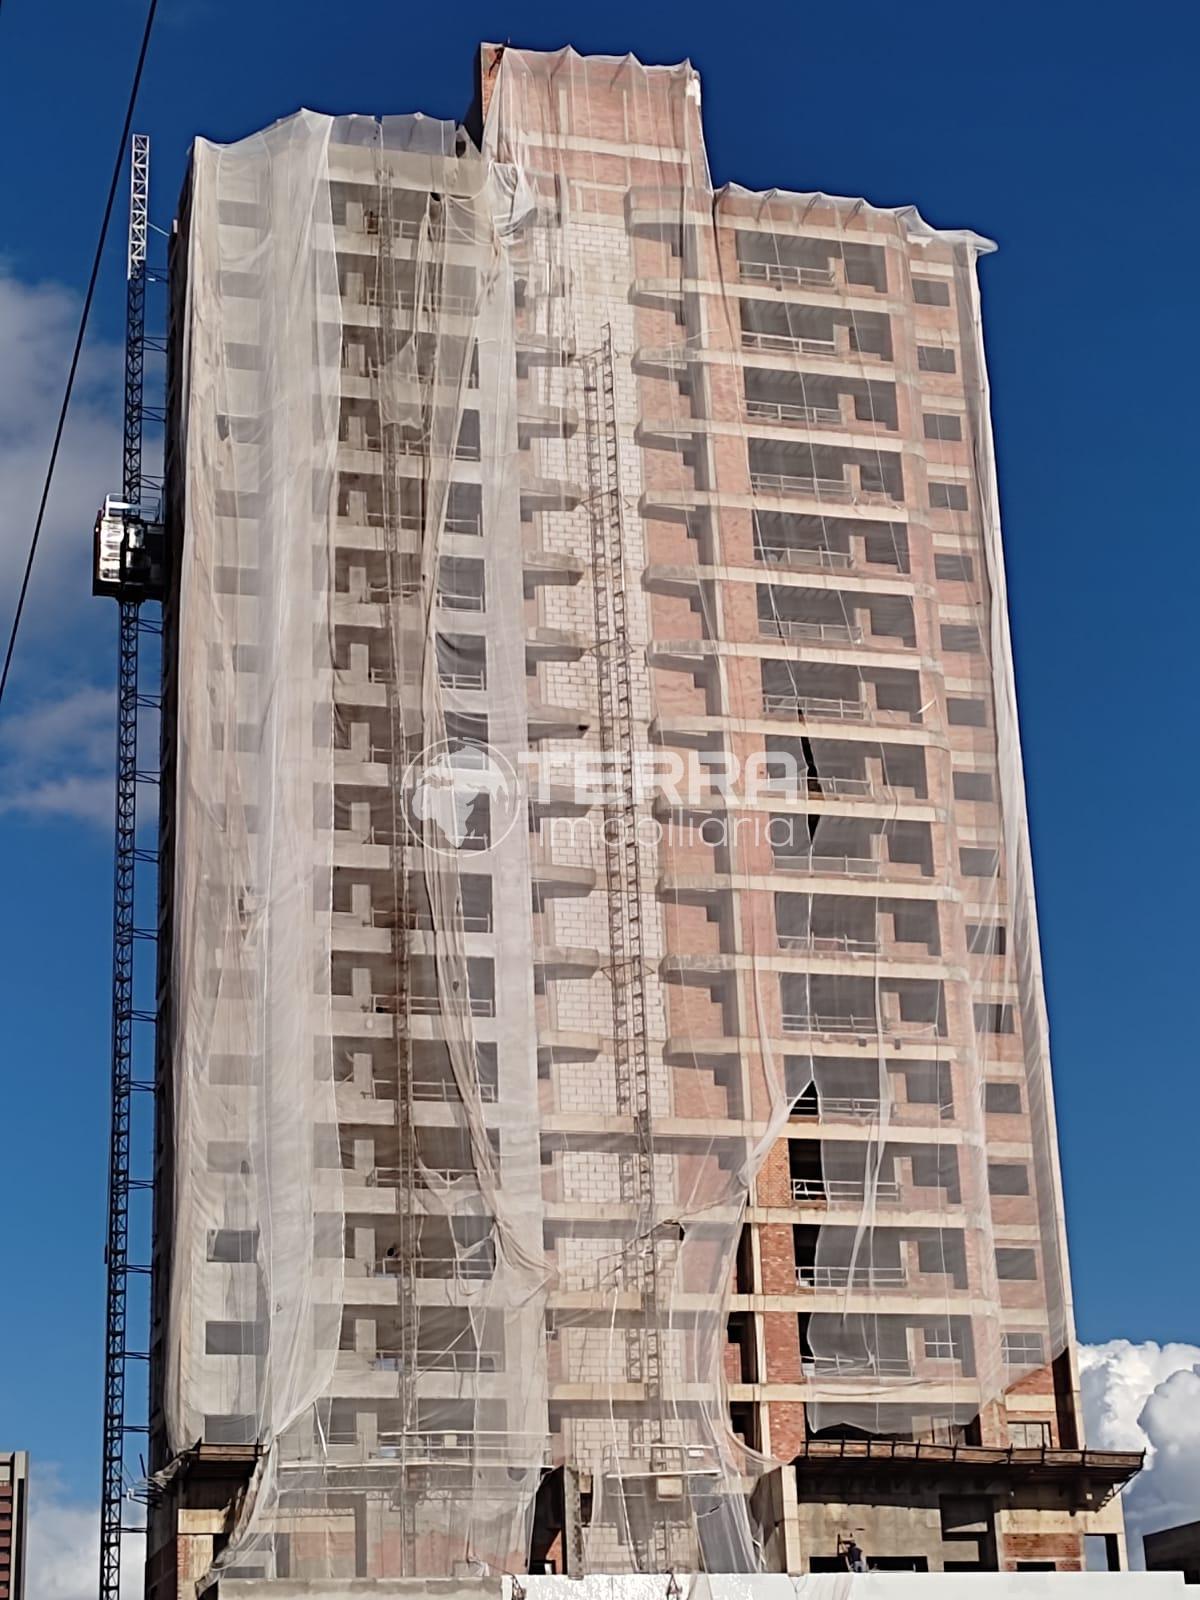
<point>419,1361</point>
<point>786,411</point>
<point>787,555</point>
<point>409,522</point>
<point>861,1276</point>
<point>830,866</point>
<point>467,1265</point>
<point>460,305</point>
<point>790,483</point>
<point>458,600</point>
<point>821,707</point>
<point>859,1108</point>
<point>474,922</point>
<point>838,943</point>
<point>410,228</point>
<point>394,1177</point>
<point>447,1089</point>
<point>788,343</point>
<point>821,632</point>
<point>811,783</point>
<point>782,272</point>
<point>812,1022</point>
<point>857,1367</point>
<point>465,1447</point>
<point>463,680</point>
<point>836,1190</point>
<point>436,1005</point>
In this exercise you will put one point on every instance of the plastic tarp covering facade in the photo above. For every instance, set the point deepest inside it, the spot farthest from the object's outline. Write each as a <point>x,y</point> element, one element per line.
<point>600,851</point>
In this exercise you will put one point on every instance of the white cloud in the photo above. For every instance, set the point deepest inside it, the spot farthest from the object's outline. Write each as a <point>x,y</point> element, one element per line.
<point>64,1545</point>
<point>37,332</point>
<point>57,756</point>
<point>1147,1397</point>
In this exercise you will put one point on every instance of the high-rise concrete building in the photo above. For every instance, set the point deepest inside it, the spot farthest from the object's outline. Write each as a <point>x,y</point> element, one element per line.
<point>14,1517</point>
<point>606,1111</point>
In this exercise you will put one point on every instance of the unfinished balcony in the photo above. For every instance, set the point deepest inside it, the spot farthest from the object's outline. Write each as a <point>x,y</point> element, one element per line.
<point>837,1258</point>
<point>926,1262</point>
<point>362,521</point>
<point>831,1005</point>
<point>825,924</point>
<point>828,845</point>
<point>837,617</point>
<point>875,1345</point>
<point>789,261</point>
<point>807,400</point>
<point>411,216</point>
<point>816,692</point>
<point>379,1158</point>
<point>827,473</point>
<point>476,997</point>
<point>433,1078</point>
<point>804,543</point>
<point>833,1088</point>
<point>549,569</point>
<point>794,330</point>
<point>462,662</point>
<point>446,1339</point>
<point>808,924</point>
<point>548,494</point>
<point>435,901</point>
<point>372,363</point>
<point>844,769</point>
<point>448,1250</point>
<point>836,1175</point>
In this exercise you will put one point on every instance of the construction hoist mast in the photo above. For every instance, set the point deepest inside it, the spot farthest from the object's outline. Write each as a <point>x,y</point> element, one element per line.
<point>128,566</point>
<point>387,298</point>
<point>623,874</point>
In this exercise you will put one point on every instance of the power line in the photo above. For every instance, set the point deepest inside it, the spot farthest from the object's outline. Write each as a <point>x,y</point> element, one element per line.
<point>79,337</point>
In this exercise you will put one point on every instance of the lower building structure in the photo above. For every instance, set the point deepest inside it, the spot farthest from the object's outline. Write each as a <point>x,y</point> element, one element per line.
<point>1174,1550</point>
<point>14,1520</point>
<point>606,1122</point>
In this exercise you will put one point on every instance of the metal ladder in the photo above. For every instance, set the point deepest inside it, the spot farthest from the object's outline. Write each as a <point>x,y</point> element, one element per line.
<point>623,874</point>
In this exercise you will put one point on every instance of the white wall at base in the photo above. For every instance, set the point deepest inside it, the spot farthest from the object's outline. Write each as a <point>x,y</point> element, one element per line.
<point>762,1586</point>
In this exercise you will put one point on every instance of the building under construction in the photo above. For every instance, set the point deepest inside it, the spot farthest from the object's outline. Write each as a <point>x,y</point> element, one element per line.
<point>604,1107</point>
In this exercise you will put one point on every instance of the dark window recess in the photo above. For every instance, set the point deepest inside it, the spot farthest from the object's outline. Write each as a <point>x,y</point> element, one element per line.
<point>232,1338</point>
<point>940,425</point>
<point>953,569</point>
<point>232,1244</point>
<point>743,1270</point>
<point>975,862</point>
<point>1008,1177</point>
<point>948,496</point>
<point>1004,1099</point>
<point>1037,1566</point>
<point>932,358</point>
<point>987,938</point>
<point>1016,1265</point>
<point>224,1155</point>
<point>931,292</point>
<point>973,786</point>
<point>961,713</point>
<point>961,637</point>
<point>993,1017</point>
<point>743,1420</point>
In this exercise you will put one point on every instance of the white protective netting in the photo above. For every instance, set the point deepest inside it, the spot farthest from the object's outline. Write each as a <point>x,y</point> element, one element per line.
<point>502,472</point>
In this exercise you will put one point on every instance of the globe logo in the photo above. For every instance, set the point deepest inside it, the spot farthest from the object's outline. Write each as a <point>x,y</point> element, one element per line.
<point>459,794</point>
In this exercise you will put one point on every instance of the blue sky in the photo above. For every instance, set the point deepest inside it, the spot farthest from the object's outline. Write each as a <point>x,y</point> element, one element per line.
<point>1062,132</point>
